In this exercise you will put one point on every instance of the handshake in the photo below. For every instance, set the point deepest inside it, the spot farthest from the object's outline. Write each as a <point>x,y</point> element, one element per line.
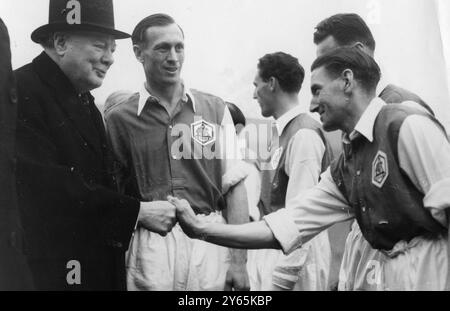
<point>161,216</point>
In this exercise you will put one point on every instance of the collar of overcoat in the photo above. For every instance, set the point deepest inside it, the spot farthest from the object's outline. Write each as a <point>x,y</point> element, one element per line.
<point>68,99</point>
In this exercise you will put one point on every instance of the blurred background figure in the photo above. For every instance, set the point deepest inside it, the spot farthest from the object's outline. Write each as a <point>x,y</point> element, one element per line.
<point>237,116</point>
<point>14,273</point>
<point>247,170</point>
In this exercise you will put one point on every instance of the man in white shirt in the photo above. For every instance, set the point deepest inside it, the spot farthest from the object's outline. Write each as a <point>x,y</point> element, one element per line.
<point>393,178</point>
<point>359,260</point>
<point>300,154</point>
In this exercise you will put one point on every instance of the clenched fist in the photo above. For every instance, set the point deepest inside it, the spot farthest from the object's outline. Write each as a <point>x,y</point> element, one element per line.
<point>186,217</point>
<point>158,216</point>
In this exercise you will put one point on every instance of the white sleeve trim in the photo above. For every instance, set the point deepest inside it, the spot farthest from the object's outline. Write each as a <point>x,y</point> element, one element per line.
<point>437,200</point>
<point>234,175</point>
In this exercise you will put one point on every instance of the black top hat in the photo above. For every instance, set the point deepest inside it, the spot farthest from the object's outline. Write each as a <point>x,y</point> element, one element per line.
<point>79,15</point>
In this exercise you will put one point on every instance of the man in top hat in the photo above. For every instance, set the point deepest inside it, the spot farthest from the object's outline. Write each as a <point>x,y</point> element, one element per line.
<point>77,227</point>
<point>14,273</point>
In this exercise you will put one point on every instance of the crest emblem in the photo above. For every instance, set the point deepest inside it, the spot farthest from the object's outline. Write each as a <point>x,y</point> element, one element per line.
<point>203,132</point>
<point>74,15</point>
<point>380,169</point>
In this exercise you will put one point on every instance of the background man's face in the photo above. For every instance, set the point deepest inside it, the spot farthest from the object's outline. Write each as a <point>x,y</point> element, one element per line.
<point>163,56</point>
<point>262,94</point>
<point>87,58</point>
<point>328,44</point>
<point>329,100</point>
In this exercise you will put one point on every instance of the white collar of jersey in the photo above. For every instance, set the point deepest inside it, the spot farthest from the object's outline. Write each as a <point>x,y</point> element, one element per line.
<point>366,123</point>
<point>144,95</point>
<point>287,117</point>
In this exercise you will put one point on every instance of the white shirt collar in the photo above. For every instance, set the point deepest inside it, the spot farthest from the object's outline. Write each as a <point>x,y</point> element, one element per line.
<point>287,117</point>
<point>366,123</point>
<point>144,95</point>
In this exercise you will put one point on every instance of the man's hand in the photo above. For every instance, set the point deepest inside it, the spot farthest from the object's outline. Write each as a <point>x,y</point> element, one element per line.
<point>186,217</point>
<point>157,216</point>
<point>237,278</point>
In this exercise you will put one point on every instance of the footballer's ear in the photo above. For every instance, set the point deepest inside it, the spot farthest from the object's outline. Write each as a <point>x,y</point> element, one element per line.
<point>273,84</point>
<point>349,82</point>
<point>138,53</point>
<point>359,45</point>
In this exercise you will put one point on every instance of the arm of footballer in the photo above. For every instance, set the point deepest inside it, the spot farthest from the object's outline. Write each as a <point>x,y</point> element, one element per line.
<point>237,213</point>
<point>256,235</point>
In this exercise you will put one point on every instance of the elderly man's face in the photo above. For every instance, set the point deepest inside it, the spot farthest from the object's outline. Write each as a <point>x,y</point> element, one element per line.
<point>329,99</point>
<point>163,54</point>
<point>87,58</point>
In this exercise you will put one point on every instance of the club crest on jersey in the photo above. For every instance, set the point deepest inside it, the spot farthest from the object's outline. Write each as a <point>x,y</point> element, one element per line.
<point>380,169</point>
<point>203,132</point>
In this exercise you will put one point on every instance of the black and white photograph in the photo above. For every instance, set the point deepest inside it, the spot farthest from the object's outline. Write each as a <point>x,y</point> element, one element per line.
<point>225,146</point>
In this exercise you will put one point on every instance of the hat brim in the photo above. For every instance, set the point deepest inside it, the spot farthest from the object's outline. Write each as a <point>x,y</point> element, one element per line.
<point>40,33</point>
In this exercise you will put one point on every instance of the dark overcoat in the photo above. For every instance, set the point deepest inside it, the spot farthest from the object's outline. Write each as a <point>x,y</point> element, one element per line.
<point>77,227</point>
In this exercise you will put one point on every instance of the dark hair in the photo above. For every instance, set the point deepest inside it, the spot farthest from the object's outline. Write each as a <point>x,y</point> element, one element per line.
<point>364,67</point>
<point>236,114</point>
<point>155,20</point>
<point>285,68</point>
<point>346,29</point>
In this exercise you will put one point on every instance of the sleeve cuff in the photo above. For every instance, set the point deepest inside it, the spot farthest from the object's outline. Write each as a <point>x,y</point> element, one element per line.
<point>118,223</point>
<point>234,175</point>
<point>437,200</point>
<point>285,230</point>
<point>285,282</point>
